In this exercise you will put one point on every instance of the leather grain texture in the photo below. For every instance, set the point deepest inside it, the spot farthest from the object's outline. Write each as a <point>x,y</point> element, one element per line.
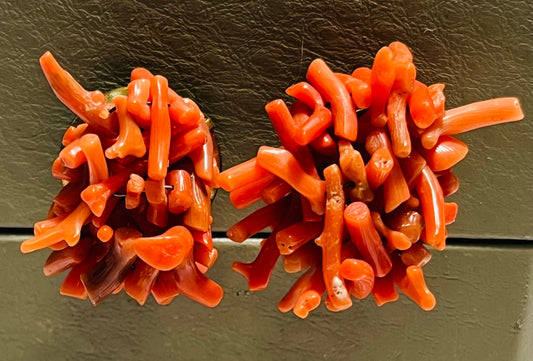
<point>232,57</point>
<point>484,312</point>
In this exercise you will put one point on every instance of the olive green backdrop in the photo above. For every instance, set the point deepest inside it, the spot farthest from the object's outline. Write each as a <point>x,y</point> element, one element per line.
<point>484,312</point>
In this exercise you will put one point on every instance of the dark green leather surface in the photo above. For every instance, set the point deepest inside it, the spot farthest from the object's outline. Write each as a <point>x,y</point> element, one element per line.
<point>233,57</point>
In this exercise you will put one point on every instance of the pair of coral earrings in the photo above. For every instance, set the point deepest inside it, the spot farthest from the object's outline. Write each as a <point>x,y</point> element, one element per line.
<point>354,197</point>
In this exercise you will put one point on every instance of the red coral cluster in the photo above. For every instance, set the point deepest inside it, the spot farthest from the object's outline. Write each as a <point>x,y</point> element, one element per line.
<point>357,191</point>
<point>135,211</point>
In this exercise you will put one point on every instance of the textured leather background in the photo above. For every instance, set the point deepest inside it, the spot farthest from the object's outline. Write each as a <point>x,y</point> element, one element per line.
<point>232,57</point>
<point>482,313</point>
